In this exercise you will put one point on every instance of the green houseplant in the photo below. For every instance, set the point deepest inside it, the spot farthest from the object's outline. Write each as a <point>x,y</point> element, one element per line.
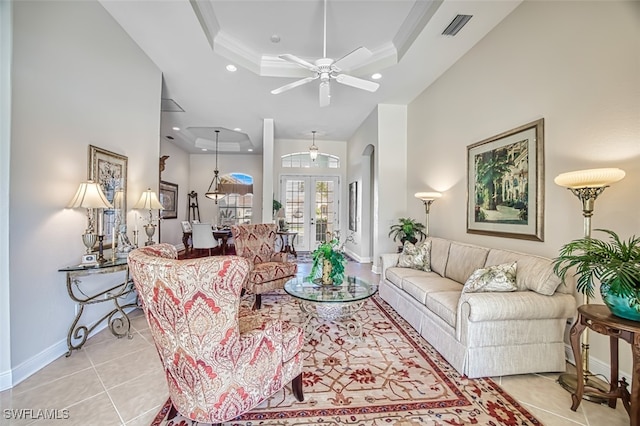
<point>330,256</point>
<point>615,263</point>
<point>407,229</point>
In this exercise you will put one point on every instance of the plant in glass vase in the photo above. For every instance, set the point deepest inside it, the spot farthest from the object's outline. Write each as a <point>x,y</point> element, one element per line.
<point>330,256</point>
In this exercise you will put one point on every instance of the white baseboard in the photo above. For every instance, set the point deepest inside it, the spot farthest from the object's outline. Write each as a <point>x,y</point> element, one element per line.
<point>597,366</point>
<point>36,363</point>
<point>357,258</point>
<point>5,380</point>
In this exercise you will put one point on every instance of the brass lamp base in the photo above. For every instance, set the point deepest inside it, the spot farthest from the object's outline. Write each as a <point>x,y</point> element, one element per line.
<point>570,383</point>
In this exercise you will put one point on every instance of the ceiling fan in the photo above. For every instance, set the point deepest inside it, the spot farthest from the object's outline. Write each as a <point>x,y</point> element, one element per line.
<point>326,69</point>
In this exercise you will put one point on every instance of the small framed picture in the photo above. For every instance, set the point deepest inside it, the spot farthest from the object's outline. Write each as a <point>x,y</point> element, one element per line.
<point>186,226</point>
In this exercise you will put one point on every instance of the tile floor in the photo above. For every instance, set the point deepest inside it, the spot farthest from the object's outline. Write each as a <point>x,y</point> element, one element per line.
<point>119,382</point>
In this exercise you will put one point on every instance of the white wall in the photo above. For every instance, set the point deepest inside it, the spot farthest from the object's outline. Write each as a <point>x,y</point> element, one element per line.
<point>201,172</point>
<point>176,171</point>
<point>6,28</point>
<point>78,79</point>
<point>577,64</point>
<point>367,134</point>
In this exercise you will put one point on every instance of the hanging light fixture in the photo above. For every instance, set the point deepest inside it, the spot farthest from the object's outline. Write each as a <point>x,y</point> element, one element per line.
<point>313,149</point>
<point>214,187</point>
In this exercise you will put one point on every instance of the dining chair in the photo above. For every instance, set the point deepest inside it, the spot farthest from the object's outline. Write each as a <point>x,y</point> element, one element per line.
<point>202,237</point>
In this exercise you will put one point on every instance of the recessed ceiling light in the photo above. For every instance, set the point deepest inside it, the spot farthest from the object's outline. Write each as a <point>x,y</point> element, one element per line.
<point>250,150</point>
<point>204,149</point>
<point>232,68</point>
<point>275,38</point>
<point>376,76</point>
<point>237,129</point>
<point>177,129</point>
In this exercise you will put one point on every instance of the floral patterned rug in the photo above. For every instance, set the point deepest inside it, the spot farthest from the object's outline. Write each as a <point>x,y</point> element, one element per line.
<point>390,377</point>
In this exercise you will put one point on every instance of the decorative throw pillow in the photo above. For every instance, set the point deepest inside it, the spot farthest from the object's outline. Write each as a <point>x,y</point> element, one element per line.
<point>494,278</point>
<point>416,256</point>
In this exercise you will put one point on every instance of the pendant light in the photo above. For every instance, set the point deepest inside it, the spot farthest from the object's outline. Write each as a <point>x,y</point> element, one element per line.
<point>215,194</point>
<point>313,149</point>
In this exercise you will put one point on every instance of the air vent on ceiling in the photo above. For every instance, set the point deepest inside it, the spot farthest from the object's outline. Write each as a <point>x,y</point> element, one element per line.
<point>169,105</point>
<point>456,25</point>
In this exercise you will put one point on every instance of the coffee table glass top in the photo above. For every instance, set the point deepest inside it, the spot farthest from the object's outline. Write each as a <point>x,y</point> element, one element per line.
<point>352,289</point>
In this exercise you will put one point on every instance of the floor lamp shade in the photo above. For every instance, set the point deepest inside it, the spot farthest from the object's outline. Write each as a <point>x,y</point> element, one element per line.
<point>590,178</point>
<point>427,198</point>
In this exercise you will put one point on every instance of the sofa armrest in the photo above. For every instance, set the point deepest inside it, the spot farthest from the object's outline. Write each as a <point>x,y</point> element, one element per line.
<point>517,305</point>
<point>279,257</point>
<point>388,260</point>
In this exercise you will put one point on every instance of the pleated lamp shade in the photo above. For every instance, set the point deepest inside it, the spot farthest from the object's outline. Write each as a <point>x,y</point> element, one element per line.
<point>148,201</point>
<point>89,196</point>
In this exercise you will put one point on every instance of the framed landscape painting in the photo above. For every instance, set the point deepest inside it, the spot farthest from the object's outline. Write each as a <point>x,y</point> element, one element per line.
<point>505,184</point>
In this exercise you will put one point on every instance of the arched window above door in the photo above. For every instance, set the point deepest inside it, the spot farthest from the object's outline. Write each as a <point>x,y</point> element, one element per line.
<point>236,206</point>
<point>303,160</point>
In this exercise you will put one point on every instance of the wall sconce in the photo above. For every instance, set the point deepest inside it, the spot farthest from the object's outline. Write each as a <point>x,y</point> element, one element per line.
<point>427,198</point>
<point>149,201</point>
<point>587,185</point>
<point>90,196</point>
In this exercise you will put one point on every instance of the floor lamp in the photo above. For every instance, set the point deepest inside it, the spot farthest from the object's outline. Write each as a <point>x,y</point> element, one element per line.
<point>427,198</point>
<point>587,185</point>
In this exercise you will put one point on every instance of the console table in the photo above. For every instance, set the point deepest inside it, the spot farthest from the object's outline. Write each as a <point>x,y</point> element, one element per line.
<point>599,319</point>
<point>117,318</point>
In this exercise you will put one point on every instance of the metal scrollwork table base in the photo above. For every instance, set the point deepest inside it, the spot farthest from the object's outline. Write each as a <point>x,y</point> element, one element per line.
<point>117,319</point>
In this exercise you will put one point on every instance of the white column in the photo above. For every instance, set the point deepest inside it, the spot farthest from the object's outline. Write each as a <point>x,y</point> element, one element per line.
<point>267,170</point>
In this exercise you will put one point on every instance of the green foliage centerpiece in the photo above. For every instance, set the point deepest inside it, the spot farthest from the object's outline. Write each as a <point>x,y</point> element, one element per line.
<point>330,256</point>
<point>615,263</point>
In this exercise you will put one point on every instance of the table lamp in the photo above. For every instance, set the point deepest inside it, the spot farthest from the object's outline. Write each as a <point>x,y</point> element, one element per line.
<point>587,185</point>
<point>90,196</point>
<point>149,201</point>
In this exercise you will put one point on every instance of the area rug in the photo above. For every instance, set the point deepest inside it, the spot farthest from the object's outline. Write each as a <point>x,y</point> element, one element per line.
<point>392,376</point>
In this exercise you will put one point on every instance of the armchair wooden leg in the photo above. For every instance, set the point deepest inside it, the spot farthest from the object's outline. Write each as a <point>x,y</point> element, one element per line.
<point>296,385</point>
<point>258,302</point>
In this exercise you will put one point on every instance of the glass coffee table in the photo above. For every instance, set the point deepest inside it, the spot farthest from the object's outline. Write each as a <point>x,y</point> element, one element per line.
<point>331,302</point>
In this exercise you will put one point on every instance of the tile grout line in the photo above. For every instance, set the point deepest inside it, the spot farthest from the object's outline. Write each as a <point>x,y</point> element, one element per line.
<point>105,389</point>
<point>586,423</point>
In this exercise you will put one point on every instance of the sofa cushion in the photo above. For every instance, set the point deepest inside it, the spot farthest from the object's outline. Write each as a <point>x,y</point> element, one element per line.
<point>534,273</point>
<point>420,287</point>
<point>416,256</point>
<point>444,304</point>
<point>463,260</point>
<point>492,278</point>
<point>396,275</point>
<point>439,254</point>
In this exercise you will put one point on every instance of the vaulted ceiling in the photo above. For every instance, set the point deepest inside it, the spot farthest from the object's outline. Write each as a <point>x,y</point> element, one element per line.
<point>193,42</point>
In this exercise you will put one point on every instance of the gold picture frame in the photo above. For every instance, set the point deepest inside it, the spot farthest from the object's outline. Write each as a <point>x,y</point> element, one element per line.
<point>505,184</point>
<point>110,171</point>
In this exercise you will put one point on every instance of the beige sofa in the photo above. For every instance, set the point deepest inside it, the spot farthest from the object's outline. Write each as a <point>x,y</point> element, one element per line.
<point>483,334</point>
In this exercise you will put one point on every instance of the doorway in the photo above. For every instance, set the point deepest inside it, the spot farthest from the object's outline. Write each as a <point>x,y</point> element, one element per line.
<point>311,207</point>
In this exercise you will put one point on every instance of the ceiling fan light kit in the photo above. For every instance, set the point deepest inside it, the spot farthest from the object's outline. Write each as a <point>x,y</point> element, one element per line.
<point>326,69</point>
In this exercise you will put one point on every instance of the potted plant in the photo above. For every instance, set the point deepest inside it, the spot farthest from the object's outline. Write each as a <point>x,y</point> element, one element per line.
<point>330,256</point>
<point>407,229</point>
<point>277,205</point>
<point>615,263</point>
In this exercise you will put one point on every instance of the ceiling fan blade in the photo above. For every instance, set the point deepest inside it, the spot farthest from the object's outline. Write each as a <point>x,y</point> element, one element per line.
<point>353,59</point>
<point>325,94</point>
<point>292,85</point>
<point>357,82</point>
<point>304,64</point>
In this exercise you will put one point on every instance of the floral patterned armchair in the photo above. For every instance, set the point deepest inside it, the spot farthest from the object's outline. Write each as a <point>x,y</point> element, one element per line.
<point>220,360</point>
<point>270,269</point>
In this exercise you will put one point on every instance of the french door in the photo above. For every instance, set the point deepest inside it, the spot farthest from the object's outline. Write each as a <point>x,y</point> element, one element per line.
<point>311,205</point>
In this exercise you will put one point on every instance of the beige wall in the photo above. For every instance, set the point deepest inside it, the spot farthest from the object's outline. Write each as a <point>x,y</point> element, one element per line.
<point>77,79</point>
<point>577,65</point>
